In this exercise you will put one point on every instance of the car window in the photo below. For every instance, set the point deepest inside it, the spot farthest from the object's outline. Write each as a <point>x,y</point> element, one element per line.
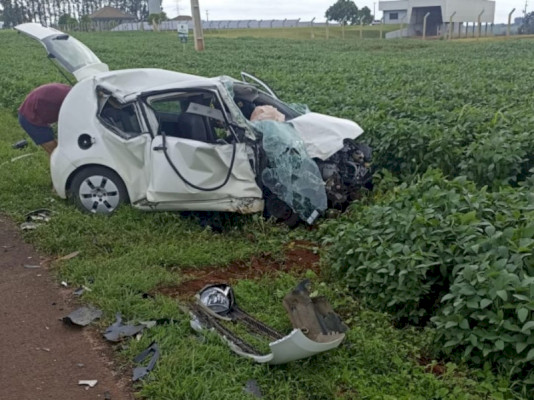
<point>122,119</point>
<point>192,115</point>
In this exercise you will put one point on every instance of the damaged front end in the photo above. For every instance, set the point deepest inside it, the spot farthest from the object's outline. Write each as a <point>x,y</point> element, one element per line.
<point>317,328</point>
<point>305,162</point>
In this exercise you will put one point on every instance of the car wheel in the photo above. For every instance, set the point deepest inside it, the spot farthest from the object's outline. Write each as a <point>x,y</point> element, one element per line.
<point>98,190</point>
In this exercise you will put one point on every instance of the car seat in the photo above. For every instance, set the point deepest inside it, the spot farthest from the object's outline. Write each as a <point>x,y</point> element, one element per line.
<point>195,127</point>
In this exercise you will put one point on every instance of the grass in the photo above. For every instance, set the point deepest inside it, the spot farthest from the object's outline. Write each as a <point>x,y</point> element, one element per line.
<point>133,252</point>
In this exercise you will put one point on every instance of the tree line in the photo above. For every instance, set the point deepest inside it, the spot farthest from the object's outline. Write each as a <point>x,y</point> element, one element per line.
<point>53,12</point>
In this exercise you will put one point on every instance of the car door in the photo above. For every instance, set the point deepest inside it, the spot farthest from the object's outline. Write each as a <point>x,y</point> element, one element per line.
<point>71,54</point>
<point>196,161</point>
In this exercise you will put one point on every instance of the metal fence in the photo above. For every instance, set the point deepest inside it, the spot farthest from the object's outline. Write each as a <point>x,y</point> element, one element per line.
<point>206,25</point>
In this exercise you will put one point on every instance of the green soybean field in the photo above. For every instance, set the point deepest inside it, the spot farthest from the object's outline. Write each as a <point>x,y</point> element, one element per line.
<point>432,271</point>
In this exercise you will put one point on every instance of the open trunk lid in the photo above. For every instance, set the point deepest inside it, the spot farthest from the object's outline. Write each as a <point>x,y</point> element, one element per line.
<point>70,53</point>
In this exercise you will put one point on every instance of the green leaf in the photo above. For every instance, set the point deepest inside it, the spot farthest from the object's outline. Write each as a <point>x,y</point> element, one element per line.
<point>520,346</point>
<point>499,345</point>
<point>530,355</point>
<point>464,324</point>
<point>502,294</point>
<point>528,326</point>
<point>522,314</point>
<point>485,302</point>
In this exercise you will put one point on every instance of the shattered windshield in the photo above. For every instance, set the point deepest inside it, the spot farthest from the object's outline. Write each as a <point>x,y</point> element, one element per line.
<point>291,174</point>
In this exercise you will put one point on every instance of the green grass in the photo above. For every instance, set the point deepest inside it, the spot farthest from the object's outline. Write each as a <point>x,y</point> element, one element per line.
<point>133,252</point>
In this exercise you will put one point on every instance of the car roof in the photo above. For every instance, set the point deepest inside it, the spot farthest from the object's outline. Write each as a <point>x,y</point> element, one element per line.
<point>128,82</point>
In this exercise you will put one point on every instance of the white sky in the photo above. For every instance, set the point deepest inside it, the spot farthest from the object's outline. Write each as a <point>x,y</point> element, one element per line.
<point>293,9</point>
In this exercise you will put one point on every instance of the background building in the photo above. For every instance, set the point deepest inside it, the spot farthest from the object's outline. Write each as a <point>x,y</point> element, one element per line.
<point>412,12</point>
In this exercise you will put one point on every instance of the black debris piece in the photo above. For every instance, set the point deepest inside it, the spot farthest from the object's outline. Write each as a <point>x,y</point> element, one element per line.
<point>252,387</point>
<point>39,215</point>
<point>141,372</point>
<point>118,331</point>
<point>20,144</point>
<point>79,291</point>
<point>82,316</point>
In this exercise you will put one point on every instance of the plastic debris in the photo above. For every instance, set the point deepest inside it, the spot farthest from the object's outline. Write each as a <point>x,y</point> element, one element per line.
<point>28,266</point>
<point>35,218</point>
<point>20,144</point>
<point>117,331</point>
<point>83,316</point>
<point>40,215</point>
<point>90,383</point>
<point>317,328</point>
<point>252,387</point>
<point>141,372</point>
<point>28,226</point>
<point>64,284</point>
<point>81,290</point>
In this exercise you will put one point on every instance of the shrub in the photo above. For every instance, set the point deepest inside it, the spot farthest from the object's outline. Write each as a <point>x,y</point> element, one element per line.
<point>445,249</point>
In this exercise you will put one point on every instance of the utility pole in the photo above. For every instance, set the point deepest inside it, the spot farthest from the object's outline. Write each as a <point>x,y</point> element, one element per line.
<point>197,27</point>
<point>207,15</point>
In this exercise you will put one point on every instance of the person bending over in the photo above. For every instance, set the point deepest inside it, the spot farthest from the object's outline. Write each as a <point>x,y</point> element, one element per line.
<point>39,110</point>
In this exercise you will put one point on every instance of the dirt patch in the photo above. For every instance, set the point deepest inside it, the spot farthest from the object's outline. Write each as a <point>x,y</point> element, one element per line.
<point>43,358</point>
<point>298,257</point>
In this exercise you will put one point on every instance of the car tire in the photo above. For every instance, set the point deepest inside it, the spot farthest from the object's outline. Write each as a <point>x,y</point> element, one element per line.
<point>98,190</point>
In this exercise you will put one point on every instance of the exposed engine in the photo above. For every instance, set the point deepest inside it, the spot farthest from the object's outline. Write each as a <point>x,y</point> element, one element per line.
<point>346,173</point>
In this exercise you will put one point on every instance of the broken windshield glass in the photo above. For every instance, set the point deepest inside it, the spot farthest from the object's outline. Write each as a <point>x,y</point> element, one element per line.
<point>291,174</point>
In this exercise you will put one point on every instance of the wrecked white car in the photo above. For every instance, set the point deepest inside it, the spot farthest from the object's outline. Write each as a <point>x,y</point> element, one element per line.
<point>163,140</point>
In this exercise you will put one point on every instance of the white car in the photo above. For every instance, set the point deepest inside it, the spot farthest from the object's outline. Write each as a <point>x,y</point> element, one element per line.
<point>163,140</point>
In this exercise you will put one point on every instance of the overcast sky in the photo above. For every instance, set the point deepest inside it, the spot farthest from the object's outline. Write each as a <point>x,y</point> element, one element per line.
<point>293,9</point>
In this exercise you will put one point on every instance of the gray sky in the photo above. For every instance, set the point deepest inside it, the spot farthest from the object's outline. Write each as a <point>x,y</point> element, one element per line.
<point>292,9</point>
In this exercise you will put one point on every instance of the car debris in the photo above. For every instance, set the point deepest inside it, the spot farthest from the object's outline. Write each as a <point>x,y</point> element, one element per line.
<point>39,215</point>
<point>20,144</point>
<point>88,383</point>
<point>35,218</point>
<point>317,328</point>
<point>28,266</point>
<point>83,316</point>
<point>28,226</point>
<point>141,372</point>
<point>117,331</point>
<point>170,141</point>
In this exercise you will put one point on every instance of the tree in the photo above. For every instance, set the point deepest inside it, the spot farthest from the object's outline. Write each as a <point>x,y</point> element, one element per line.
<point>156,19</point>
<point>67,20</point>
<point>527,28</point>
<point>343,11</point>
<point>364,16</point>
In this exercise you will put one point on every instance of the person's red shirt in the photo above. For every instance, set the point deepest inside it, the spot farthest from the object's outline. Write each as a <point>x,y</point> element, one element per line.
<point>41,106</point>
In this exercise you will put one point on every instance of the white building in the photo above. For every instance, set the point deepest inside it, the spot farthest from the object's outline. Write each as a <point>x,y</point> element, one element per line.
<point>412,12</point>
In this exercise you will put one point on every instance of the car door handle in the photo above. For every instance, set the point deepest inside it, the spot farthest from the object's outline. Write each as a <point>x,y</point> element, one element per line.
<point>159,148</point>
